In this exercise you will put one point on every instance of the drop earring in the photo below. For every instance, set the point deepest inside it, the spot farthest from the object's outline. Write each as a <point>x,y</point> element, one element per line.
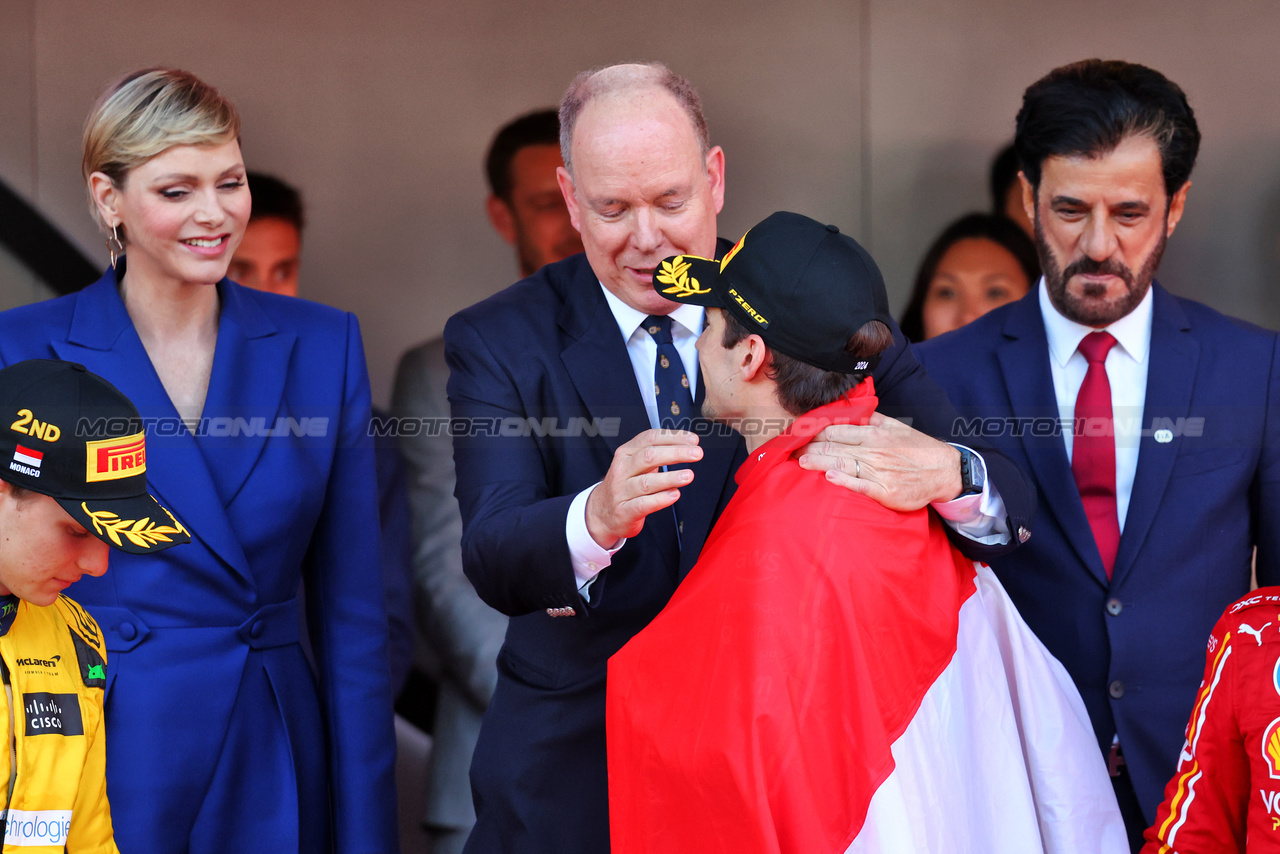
<point>114,246</point>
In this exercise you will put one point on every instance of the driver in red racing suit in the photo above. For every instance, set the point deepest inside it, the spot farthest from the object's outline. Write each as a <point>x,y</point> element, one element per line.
<point>1225,796</point>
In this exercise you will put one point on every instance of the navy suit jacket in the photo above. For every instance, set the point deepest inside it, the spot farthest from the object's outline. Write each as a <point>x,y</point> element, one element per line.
<point>1202,499</point>
<point>219,736</point>
<point>543,393</point>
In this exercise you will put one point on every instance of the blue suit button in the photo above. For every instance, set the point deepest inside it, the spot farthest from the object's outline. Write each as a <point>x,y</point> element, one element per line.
<point>127,631</point>
<point>1116,689</point>
<point>255,631</point>
<point>1114,607</point>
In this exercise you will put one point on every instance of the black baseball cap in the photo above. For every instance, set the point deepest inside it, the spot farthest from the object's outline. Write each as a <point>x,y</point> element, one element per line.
<point>69,434</point>
<point>802,286</point>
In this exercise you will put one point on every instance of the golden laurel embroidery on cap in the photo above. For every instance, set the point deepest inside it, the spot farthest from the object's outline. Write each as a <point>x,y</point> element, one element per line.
<point>143,533</point>
<point>113,459</point>
<point>728,256</point>
<point>676,273</point>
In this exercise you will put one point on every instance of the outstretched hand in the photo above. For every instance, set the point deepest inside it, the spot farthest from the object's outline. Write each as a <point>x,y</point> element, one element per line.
<point>886,460</point>
<point>636,486</point>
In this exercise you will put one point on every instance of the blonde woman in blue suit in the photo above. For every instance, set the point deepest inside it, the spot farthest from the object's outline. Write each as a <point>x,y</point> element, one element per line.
<point>220,736</point>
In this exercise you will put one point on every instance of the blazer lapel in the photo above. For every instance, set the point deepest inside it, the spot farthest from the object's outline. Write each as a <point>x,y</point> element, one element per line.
<point>1174,357</point>
<point>250,366</point>
<point>103,337</point>
<point>1024,361</point>
<point>596,358</point>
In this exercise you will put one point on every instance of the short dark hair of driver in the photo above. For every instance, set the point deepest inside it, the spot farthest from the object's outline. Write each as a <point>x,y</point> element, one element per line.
<point>541,127</point>
<point>801,387</point>
<point>1087,109</point>
<point>274,199</point>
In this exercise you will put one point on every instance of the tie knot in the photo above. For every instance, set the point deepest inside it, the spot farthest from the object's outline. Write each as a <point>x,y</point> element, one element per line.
<point>1095,346</point>
<point>659,326</point>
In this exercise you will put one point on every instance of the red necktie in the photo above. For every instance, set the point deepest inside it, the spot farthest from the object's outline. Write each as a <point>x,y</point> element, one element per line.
<point>1093,452</point>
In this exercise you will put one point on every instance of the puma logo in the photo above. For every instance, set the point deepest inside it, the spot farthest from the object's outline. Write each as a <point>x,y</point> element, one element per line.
<point>1250,630</point>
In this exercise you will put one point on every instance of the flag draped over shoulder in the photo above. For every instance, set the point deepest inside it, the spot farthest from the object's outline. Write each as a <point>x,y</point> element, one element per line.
<point>832,676</point>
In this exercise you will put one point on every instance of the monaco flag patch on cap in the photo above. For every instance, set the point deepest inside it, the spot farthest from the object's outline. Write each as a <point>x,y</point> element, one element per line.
<point>28,457</point>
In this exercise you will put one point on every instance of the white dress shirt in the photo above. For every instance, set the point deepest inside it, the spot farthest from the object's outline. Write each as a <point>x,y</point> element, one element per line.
<point>588,557</point>
<point>979,517</point>
<point>1127,365</point>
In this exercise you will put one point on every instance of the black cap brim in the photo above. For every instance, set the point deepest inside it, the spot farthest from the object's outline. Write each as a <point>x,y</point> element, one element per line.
<point>137,525</point>
<point>688,279</point>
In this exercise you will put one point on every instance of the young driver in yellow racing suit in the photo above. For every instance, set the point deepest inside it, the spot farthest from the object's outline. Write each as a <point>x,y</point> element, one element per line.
<point>66,494</point>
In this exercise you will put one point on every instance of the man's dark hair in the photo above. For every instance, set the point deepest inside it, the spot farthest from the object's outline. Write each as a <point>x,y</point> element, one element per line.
<point>274,199</point>
<point>997,228</point>
<point>537,128</point>
<point>1087,108</point>
<point>1004,174</point>
<point>803,387</point>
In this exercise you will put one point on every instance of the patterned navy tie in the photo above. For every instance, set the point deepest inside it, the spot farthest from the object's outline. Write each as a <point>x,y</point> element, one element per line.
<point>670,382</point>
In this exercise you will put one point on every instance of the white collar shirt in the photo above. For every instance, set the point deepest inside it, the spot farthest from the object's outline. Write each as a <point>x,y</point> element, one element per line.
<point>1127,365</point>
<point>686,326</point>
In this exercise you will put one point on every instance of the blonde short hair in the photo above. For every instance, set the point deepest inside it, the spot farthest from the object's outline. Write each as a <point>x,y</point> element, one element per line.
<point>147,112</point>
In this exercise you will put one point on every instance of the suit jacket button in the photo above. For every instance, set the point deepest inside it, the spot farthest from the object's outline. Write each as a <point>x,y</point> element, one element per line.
<point>1023,534</point>
<point>1114,607</point>
<point>1116,689</point>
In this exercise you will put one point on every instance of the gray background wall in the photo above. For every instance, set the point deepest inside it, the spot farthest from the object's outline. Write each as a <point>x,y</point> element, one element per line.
<point>878,115</point>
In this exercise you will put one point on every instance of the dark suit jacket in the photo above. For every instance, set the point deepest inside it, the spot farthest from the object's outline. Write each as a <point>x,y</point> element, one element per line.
<point>1200,503</point>
<point>219,736</point>
<point>545,391</point>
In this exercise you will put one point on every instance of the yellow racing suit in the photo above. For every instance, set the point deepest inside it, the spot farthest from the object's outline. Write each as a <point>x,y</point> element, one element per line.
<point>55,793</point>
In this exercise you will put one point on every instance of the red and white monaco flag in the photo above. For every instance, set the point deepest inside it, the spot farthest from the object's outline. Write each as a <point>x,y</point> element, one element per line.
<point>28,457</point>
<point>833,677</point>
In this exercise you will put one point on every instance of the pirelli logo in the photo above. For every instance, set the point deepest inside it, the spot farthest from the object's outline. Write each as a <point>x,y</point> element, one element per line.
<point>112,459</point>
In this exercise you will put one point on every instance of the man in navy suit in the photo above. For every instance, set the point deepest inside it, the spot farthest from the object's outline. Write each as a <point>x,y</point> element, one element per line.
<point>1167,474</point>
<point>569,490</point>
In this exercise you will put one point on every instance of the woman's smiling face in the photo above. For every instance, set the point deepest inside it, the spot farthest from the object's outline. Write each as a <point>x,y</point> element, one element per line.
<point>184,212</point>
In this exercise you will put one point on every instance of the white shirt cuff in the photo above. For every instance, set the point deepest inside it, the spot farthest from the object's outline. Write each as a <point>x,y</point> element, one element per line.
<point>586,555</point>
<point>980,517</point>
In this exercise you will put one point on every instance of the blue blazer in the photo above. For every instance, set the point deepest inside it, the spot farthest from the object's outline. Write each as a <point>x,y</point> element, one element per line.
<point>1202,500</point>
<point>219,735</point>
<point>545,391</point>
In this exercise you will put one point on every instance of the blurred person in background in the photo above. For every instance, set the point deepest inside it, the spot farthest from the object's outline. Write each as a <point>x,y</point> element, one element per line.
<point>979,262</point>
<point>525,205</point>
<point>526,208</point>
<point>221,737</point>
<point>268,257</point>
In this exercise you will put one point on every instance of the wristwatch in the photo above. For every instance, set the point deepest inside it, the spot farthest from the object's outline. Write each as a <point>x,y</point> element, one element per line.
<point>973,474</point>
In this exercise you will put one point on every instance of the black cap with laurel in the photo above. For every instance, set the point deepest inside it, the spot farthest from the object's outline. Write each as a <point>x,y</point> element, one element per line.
<point>46,410</point>
<point>802,286</point>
